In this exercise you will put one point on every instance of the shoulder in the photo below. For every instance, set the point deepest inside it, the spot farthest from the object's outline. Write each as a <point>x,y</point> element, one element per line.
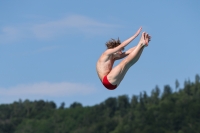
<point>106,56</point>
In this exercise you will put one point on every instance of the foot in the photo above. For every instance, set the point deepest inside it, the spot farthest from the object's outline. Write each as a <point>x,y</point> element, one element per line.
<point>145,38</point>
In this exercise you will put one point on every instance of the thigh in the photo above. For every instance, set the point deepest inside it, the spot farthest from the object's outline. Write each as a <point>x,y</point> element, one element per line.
<point>117,73</point>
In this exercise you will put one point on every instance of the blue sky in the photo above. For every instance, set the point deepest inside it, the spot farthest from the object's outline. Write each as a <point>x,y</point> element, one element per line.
<point>49,49</point>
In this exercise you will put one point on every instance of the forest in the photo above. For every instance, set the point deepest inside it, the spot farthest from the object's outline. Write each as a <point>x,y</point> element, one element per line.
<point>167,110</point>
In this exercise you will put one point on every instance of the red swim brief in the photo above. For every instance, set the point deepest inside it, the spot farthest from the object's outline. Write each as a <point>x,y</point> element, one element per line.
<point>107,84</point>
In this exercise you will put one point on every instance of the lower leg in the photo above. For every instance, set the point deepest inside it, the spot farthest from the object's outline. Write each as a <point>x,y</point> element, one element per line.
<point>131,49</point>
<point>134,60</point>
<point>133,57</point>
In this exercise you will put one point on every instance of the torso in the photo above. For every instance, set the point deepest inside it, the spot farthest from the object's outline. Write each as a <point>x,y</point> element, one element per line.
<point>104,65</point>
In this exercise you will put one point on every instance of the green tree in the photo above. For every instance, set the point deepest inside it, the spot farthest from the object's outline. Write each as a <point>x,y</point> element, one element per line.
<point>62,106</point>
<point>176,84</point>
<point>75,105</point>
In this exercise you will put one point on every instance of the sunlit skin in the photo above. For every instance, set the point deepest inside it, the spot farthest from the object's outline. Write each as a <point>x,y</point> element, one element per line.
<point>105,62</point>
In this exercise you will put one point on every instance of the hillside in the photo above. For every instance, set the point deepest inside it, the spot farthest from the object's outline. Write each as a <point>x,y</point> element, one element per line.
<point>165,111</point>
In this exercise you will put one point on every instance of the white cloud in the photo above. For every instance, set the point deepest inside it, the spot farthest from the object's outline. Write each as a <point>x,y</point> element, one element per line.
<point>74,24</point>
<point>9,34</point>
<point>71,24</point>
<point>44,90</point>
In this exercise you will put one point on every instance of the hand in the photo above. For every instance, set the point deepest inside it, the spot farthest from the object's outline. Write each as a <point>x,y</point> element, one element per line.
<point>138,32</point>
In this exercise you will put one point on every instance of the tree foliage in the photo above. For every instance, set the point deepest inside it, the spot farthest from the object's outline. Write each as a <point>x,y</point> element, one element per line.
<point>166,112</point>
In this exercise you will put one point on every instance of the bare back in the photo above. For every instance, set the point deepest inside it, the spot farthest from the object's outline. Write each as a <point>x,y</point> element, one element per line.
<point>104,65</point>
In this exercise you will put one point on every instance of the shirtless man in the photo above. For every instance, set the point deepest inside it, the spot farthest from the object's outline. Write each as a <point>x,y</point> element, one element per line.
<point>111,77</point>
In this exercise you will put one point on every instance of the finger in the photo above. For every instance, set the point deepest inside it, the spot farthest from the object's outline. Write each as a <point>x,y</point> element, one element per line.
<point>140,29</point>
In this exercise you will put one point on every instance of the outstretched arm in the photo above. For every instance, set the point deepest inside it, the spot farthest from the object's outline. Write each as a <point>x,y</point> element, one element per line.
<point>123,44</point>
